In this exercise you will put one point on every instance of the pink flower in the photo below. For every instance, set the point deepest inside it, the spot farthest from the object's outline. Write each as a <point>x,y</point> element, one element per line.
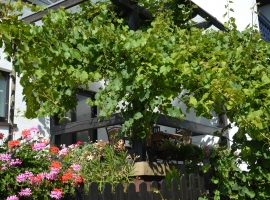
<point>34,129</point>
<point>21,178</point>
<point>1,136</point>
<point>79,142</point>
<point>52,174</point>
<point>28,174</point>
<point>39,146</point>
<point>14,197</point>
<point>3,167</point>
<point>5,157</point>
<point>15,162</point>
<point>63,151</point>
<point>56,193</point>
<point>76,167</point>
<point>25,192</point>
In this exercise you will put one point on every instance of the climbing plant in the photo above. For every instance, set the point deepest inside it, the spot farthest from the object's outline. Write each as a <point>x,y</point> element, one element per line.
<point>143,71</point>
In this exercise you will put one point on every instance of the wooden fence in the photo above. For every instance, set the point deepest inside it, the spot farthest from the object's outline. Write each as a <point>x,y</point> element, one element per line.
<point>190,189</point>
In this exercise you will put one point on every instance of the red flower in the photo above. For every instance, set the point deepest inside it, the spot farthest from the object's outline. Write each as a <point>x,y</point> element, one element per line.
<point>1,136</point>
<point>67,176</point>
<point>79,142</point>
<point>56,164</point>
<point>57,190</point>
<point>25,133</point>
<point>54,149</point>
<point>39,178</point>
<point>78,179</point>
<point>13,143</point>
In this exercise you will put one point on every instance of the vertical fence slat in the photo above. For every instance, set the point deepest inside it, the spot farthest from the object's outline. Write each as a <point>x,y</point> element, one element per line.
<point>175,191</point>
<point>107,191</point>
<point>131,191</point>
<point>165,189</point>
<point>100,197</point>
<point>143,191</point>
<point>154,188</point>
<point>192,187</point>
<point>201,184</point>
<point>119,192</point>
<point>86,197</point>
<point>93,191</point>
<point>184,189</point>
<point>186,192</point>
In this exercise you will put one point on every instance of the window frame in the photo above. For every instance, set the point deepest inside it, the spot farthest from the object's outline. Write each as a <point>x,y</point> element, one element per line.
<point>55,119</point>
<point>6,75</point>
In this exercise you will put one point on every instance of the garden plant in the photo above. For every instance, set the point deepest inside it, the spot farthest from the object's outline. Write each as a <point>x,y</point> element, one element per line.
<point>33,169</point>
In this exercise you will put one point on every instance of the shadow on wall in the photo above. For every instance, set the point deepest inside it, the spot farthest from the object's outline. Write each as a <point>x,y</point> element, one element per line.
<point>44,126</point>
<point>205,140</point>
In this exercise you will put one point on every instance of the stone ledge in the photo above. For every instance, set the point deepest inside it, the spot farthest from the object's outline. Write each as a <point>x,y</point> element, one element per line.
<point>6,124</point>
<point>153,168</point>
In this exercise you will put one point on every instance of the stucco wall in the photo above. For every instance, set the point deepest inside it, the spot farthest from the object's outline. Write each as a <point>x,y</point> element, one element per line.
<point>242,12</point>
<point>22,123</point>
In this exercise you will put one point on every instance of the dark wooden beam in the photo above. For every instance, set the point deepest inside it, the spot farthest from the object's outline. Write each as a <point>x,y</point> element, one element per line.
<point>115,119</point>
<point>93,123</point>
<point>204,25</point>
<point>263,2</point>
<point>208,17</point>
<point>187,125</point>
<point>38,16</point>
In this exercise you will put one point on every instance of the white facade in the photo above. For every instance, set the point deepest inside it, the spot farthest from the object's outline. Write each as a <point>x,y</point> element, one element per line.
<point>244,16</point>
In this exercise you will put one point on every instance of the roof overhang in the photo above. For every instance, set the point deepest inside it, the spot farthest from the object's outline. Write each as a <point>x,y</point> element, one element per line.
<point>70,3</point>
<point>263,2</point>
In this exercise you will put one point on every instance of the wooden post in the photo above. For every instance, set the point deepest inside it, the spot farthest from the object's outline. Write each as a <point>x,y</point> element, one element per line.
<point>134,12</point>
<point>12,98</point>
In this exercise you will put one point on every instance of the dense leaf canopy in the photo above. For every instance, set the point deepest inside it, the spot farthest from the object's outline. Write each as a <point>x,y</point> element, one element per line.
<point>225,72</point>
<point>144,70</point>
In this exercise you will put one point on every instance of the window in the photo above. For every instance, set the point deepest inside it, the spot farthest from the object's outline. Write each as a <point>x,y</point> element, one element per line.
<point>82,112</point>
<point>4,96</point>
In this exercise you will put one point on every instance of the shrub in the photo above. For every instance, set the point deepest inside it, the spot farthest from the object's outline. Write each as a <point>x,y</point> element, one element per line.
<point>100,163</point>
<point>30,169</point>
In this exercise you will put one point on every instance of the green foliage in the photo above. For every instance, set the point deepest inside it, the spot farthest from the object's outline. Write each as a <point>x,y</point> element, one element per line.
<point>145,69</point>
<point>234,183</point>
<point>173,173</point>
<point>190,153</point>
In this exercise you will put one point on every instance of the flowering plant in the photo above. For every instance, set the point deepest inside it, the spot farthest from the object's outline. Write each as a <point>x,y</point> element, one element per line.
<point>101,163</point>
<point>209,150</point>
<point>31,169</point>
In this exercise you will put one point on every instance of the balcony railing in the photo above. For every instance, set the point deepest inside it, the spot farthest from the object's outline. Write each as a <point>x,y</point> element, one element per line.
<point>264,25</point>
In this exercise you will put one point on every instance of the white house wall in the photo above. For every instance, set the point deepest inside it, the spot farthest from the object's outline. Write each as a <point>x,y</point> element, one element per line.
<point>242,11</point>
<point>22,123</point>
